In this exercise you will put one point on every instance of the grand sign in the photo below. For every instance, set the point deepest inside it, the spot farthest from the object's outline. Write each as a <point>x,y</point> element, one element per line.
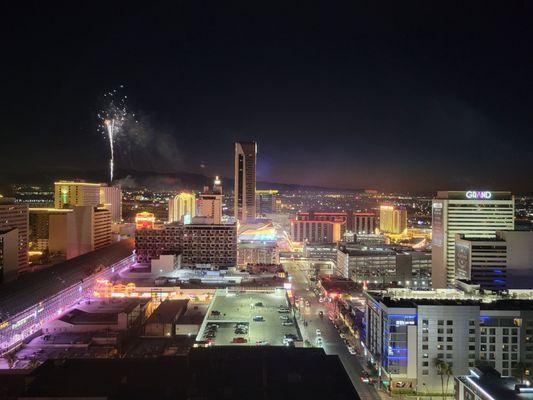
<point>478,195</point>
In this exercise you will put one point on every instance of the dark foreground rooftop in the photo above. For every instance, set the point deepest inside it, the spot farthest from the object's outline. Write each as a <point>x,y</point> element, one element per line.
<point>217,373</point>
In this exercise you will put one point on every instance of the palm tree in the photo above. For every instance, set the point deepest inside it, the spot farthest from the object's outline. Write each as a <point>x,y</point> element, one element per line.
<point>449,374</point>
<point>443,370</point>
<point>519,371</point>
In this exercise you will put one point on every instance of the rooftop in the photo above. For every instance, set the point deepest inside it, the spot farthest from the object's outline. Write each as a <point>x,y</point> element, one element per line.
<point>168,311</point>
<point>31,288</point>
<point>214,373</point>
<point>515,300</point>
<point>492,386</point>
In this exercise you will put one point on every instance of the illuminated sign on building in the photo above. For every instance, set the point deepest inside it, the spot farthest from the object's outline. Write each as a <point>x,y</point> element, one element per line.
<point>144,220</point>
<point>478,195</point>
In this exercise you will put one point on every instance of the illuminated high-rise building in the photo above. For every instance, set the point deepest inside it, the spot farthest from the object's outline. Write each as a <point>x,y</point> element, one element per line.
<point>15,215</point>
<point>244,191</point>
<point>39,226</point>
<point>210,202</point>
<point>392,219</point>
<point>72,193</point>
<point>111,198</point>
<point>472,213</point>
<point>266,201</point>
<point>182,208</point>
<point>318,227</point>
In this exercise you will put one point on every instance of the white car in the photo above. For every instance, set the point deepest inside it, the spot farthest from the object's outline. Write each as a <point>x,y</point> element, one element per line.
<point>319,341</point>
<point>318,332</point>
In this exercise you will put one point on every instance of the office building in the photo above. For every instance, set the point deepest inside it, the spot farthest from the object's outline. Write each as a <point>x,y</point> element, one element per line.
<point>182,208</point>
<point>244,191</point>
<point>111,198</point>
<point>9,255</point>
<point>76,193</point>
<point>382,265</point>
<point>210,202</point>
<point>318,227</point>
<point>406,331</point>
<point>15,215</point>
<point>501,262</point>
<point>472,213</point>
<point>197,244</point>
<point>266,201</point>
<point>392,219</point>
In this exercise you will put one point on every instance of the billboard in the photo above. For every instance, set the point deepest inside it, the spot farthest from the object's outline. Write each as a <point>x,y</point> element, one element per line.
<point>437,224</point>
<point>462,261</point>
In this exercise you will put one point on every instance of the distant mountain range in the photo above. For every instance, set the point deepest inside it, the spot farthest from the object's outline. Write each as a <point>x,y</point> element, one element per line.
<point>138,179</point>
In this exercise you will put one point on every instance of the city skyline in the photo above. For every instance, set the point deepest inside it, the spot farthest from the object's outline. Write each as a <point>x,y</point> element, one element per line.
<point>418,100</point>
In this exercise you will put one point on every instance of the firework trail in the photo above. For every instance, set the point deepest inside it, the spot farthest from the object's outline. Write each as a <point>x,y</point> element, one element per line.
<point>112,119</point>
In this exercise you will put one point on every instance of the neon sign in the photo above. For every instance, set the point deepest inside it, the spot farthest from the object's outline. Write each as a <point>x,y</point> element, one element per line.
<point>478,195</point>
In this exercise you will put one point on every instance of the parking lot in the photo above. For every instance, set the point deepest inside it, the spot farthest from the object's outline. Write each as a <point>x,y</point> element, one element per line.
<point>256,314</point>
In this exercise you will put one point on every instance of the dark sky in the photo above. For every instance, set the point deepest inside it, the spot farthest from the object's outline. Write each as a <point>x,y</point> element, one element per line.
<point>395,96</point>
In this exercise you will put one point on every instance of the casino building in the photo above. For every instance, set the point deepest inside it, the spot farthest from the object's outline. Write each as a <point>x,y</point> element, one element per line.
<point>471,213</point>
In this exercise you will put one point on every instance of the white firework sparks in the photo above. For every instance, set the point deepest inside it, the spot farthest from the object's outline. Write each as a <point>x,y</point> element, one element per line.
<point>112,122</point>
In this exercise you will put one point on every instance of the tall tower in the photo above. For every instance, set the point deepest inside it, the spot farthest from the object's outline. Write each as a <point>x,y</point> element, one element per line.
<point>472,213</point>
<point>244,192</point>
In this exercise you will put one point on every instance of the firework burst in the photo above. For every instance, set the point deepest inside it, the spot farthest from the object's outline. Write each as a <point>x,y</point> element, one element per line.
<point>112,119</point>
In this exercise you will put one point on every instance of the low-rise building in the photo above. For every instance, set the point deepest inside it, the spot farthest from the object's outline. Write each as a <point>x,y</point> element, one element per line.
<point>162,322</point>
<point>383,265</point>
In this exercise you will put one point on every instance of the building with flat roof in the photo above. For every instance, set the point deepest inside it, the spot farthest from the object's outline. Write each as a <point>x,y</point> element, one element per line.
<point>182,207</point>
<point>8,253</point>
<point>318,227</point>
<point>162,322</point>
<point>100,315</point>
<point>266,201</point>
<point>383,265</point>
<point>15,215</point>
<point>361,222</point>
<point>197,243</point>
<point>392,219</point>
<point>76,193</point>
<point>485,383</point>
<point>504,261</point>
<point>406,331</point>
<point>473,213</point>
<point>244,191</point>
<point>111,198</point>
<point>210,202</point>
<point>217,373</point>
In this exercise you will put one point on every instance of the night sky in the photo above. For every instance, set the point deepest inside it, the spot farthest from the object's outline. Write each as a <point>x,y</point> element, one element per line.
<point>394,96</point>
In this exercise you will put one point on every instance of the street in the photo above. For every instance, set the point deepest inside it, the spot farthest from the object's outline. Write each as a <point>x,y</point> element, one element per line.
<point>332,342</point>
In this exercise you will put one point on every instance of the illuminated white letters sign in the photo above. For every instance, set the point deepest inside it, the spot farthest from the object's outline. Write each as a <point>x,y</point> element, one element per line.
<point>477,195</point>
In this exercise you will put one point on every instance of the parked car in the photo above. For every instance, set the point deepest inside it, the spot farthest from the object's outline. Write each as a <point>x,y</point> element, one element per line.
<point>259,318</point>
<point>287,323</point>
<point>352,350</point>
<point>318,332</point>
<point>259,304</point>
<point>284,317</point>
<point>321,314</point>
<point>239,340</point>
<point>262,343</point>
